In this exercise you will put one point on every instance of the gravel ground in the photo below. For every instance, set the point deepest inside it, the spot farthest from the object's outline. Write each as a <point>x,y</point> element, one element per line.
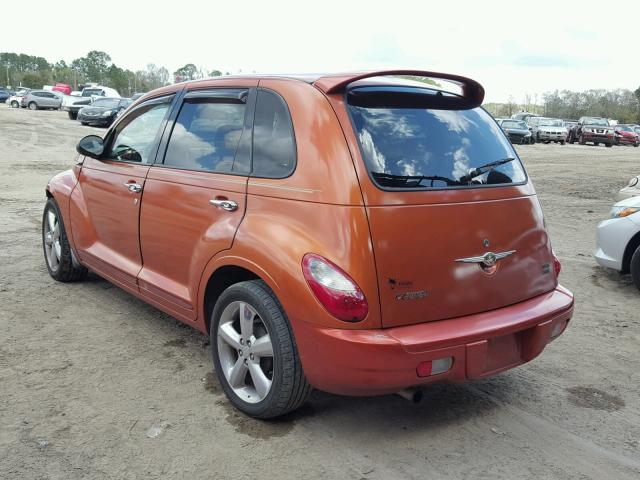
<point>95,384</point>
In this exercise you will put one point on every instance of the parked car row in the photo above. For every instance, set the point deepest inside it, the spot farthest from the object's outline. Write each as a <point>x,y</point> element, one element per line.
<point>93,105</point>
<point>528,128</point>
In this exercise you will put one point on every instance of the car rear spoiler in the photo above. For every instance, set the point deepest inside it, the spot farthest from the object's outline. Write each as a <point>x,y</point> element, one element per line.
<point>472,91</point>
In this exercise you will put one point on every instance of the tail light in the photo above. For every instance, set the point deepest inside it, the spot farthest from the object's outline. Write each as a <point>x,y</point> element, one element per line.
<point>556,265</point>
<point>334,289</point>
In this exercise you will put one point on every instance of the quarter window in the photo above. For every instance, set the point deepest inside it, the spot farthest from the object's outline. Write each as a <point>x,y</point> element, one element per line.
<point>206,134</point>
<point>136,135</point>
<point>274,148</point>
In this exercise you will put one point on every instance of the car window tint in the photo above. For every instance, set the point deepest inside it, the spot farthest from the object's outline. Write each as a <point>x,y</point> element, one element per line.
<point>274,148</point>
<point>134,141</point>
<point>206,135</point>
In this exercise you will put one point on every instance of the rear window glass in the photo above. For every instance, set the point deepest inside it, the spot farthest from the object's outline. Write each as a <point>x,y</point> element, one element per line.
<point>418,148</point>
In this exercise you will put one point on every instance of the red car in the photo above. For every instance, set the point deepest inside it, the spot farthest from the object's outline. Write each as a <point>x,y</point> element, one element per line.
<point>626,135</point>
<point>62,88</point>
<point>343,232</point>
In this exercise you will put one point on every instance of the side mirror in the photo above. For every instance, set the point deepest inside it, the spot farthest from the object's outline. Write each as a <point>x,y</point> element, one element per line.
<point>91,146</point>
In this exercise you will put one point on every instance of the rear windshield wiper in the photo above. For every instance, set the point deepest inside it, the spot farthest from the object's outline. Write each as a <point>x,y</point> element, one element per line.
<point>411,181</point>
<point>484,169</point>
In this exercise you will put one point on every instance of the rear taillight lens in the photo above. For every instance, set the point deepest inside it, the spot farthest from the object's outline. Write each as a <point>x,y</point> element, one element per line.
<point>556,265</point>
<point>334,289</point>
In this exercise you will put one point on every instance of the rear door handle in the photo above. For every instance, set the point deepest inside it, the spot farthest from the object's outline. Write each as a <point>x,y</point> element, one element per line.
<point>133,187</point>
<point>225,204</point>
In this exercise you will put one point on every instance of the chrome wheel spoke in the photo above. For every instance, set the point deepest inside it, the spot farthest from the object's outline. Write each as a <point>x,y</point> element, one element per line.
<point>230,336</point>
<point>260,381</point>
<point>241,351</point>
<point>237,374</point>
<point>52,257</point>
<point>262,347</point>
<point>247,315</point>
<point>57,248</point>
<point>51,220</point>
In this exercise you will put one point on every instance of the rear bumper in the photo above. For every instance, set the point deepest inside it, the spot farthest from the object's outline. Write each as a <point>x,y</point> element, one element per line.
<point>373,362</point>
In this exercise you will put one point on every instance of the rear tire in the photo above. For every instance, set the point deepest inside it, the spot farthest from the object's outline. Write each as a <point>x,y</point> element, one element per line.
<point>635,268</point>
<point>288,388</point>
<point>57,251</point>
<point>33,106</point>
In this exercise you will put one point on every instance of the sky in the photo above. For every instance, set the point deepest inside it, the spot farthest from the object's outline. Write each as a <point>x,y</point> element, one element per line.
<point>513,48</point>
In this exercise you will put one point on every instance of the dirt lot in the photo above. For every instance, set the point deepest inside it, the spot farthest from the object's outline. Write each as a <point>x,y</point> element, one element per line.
<point>86,370</point>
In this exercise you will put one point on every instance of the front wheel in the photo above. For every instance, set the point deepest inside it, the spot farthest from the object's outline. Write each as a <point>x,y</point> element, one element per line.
<point>15,104</point>
<point>608,145</point>
<point>581,140</point>
<point>57,251</point>
<point>72,115</point>
<point>254,352</point>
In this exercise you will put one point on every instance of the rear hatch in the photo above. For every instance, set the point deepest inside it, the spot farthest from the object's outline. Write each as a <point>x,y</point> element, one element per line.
<point>456,227</point>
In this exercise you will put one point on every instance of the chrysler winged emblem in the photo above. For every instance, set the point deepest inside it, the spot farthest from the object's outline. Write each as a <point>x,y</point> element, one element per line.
<point>489,259</point>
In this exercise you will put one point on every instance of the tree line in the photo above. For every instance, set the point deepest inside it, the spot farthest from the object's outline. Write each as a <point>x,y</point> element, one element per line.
<point>619,104</point>
<point>21,70</point>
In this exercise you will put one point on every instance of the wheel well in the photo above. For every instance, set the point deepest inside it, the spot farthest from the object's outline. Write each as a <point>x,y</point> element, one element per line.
<point>48,193</point>
<point>222,279</point>
<point>633,244</point>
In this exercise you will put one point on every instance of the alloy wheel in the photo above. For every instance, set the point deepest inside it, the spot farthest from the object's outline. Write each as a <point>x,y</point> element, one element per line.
<point>52,245</point>
<point>245,352</point>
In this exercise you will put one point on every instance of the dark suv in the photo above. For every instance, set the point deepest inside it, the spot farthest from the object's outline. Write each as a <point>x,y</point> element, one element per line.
<point>592,129</point>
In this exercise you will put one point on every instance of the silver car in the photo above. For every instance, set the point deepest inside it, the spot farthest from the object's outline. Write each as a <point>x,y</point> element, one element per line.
<point>37,99</point>
<point>548,130</point>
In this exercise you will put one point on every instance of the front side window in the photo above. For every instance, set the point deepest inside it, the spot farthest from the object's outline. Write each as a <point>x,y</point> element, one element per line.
<point>417,148</point>
<point>274,147</point>
<point>136,135</point>
<point>206,134</point>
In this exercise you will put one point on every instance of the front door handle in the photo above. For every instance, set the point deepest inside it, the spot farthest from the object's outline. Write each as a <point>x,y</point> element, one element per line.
<point>225,204</point>
<point>133,187</point>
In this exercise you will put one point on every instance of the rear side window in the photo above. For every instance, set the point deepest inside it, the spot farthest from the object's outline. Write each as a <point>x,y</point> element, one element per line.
<point>407,147</point>
<point>206,135</point>
<point>274,146</point>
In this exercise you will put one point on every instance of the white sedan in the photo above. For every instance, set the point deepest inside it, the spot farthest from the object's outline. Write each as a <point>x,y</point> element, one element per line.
<point>618,239</point>
<point>631,190</point>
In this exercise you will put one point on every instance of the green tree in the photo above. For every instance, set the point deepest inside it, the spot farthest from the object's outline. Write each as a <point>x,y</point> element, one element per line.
<point>188,72</point>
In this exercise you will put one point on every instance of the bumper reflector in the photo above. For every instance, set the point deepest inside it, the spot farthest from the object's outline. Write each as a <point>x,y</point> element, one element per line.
<point>558,328</point>
<point>434,367</point>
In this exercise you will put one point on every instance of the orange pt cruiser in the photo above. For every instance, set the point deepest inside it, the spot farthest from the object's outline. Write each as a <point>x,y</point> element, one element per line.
<point>362,234</point>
